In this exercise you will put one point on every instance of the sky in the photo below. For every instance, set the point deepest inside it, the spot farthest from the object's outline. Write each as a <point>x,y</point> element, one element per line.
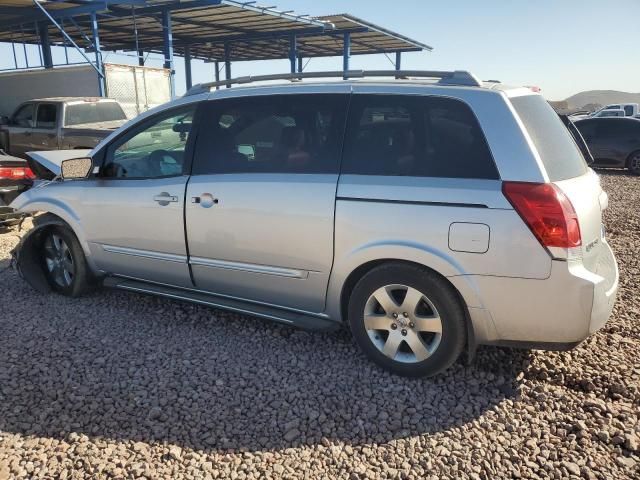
<point>562,46</point>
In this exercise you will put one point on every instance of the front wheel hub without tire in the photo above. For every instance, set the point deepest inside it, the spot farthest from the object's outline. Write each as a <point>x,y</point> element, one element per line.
<point>59,260</point>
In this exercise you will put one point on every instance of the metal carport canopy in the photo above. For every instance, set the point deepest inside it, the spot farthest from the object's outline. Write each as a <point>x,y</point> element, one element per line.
<point>203,27</point>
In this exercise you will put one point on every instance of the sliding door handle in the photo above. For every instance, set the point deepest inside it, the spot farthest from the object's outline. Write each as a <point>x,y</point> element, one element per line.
<point>165,199</point>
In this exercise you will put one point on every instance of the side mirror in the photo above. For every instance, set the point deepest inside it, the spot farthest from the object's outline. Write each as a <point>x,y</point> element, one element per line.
<point>76,168</point>
<point>4,120</point>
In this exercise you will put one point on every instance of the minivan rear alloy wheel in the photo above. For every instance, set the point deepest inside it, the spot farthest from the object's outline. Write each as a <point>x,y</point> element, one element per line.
<point>407,319</point>
<point>402,323</point>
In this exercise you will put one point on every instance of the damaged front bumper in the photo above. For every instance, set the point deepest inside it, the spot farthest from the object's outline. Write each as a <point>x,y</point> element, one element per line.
<point>9,217</point>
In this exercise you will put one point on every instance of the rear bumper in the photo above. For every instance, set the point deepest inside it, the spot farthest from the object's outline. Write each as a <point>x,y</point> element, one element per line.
<point>605,289</point>
<point>563,309</point>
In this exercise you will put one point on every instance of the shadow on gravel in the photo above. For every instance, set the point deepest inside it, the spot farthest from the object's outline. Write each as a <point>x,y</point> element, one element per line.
<point>137,368</point>
<point>619,172</point>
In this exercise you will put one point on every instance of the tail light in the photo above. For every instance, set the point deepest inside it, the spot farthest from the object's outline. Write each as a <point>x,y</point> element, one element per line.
<point>16,173</point>
<point>547,212</point>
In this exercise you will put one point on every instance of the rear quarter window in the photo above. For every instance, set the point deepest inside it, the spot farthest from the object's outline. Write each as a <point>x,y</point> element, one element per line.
<point>415,136</point>
<point>559,153</point>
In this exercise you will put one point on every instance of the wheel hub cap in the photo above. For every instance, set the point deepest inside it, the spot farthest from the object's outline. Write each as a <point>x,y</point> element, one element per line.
<point>403,323</point>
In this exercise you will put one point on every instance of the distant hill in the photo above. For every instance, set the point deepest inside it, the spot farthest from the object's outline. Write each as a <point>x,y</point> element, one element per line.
<point>600,97</point>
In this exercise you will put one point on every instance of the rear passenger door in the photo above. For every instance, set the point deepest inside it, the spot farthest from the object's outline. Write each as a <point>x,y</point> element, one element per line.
<point>609,141</point>
<point>260,202</point>
<point>417,173</point>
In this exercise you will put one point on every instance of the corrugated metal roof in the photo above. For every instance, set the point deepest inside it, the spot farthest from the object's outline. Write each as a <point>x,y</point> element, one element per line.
<point>251,32</point>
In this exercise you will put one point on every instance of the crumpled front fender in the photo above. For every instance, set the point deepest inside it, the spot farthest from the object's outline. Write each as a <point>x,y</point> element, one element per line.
<point>27,255</point>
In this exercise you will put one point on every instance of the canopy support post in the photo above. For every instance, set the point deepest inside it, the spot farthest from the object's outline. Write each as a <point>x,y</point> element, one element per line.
<point>346,53</point>
<point>167,49</point>
<point>96,47</point>
<point>227,62</point>
<point>187,66</point>
<point>43,32</point>
<point>293,52</point>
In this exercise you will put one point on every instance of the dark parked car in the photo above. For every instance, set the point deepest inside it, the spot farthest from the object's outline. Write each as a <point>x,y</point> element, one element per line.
<point>15,178</point>
<point>614,142</point>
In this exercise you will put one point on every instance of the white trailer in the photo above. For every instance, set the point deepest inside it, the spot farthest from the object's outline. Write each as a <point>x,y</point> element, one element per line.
<point>136,88</point>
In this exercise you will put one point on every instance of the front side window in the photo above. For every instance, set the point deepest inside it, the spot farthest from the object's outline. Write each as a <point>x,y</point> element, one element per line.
<point>156,149</point>
<point>47,114</point>
<point>415,136</point>
<point>276,134</point>
<point>628,110</point>
<point>24,116</point>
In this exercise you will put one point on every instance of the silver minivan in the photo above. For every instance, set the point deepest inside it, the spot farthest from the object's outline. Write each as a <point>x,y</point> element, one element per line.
<point>430,212</point>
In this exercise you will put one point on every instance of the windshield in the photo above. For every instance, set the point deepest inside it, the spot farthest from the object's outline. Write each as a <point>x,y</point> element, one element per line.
<point>93,112</point>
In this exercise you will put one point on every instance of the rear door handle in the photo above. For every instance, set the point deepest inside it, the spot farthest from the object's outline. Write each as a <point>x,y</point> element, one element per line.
<point>165,199</point>
<point>206,200</point>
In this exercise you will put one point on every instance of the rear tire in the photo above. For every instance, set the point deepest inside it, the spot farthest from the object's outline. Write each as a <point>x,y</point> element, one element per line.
<point>633,162</point>
<point>64,263</point>
<point>407,319</point>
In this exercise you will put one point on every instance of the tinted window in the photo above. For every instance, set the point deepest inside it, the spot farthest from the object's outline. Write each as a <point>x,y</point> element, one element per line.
<point>156,149</point>
<point>612,113</point>
<point>415,136</point>
<point>47,113</point>
<point>93,112</point>
<point>559,153</point>
<point>628,110</point>
<point>24,116</point>
<point>276,134</point>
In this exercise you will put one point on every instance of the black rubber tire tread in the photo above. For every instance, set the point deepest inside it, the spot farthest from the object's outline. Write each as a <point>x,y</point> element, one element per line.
<point>628,164</point>
<point>438,290</point>
<point>83,279</point>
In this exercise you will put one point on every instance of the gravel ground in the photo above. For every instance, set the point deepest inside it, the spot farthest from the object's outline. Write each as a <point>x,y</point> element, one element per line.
<point>116,385</point>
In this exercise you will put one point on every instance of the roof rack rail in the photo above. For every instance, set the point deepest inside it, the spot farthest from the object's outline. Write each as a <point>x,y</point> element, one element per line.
<point>457,77</point>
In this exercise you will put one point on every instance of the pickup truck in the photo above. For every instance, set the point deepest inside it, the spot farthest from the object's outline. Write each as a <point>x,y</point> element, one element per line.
<point>609,112</point>
<point>59,124</point>
<point>629,109</point>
